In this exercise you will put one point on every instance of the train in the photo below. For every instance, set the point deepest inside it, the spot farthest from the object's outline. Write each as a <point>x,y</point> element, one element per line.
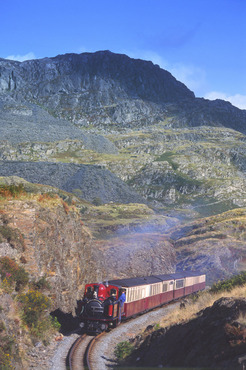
<point>100,308</point>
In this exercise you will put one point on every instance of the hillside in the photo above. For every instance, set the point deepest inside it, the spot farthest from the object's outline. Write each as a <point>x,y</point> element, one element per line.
<point>213,339</point>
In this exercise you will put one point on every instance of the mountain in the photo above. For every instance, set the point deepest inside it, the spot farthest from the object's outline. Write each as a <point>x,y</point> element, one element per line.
<point>104,88</point>
<point>109,128</point>
<point>131,117</point>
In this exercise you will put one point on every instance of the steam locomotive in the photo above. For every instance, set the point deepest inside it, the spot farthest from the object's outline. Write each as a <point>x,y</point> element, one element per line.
<point>99,309</point>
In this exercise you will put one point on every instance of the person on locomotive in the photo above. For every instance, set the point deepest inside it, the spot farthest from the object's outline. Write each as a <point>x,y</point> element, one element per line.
<point>121,301</point>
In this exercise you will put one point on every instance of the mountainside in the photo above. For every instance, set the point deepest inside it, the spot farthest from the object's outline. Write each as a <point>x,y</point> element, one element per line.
<point>91,87</point>
<point>104,88</point>
<point>109,128</point>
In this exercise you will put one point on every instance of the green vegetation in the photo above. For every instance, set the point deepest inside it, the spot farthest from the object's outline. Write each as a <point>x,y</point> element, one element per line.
<point>34,306</point>
<point>30,307</point>
<point>6,350</point>
<point>12,275</point>
<point>167,157</point>
<point>41,284</point>
<point>157,326</point>
<point>11,191</point>
<point>229,284</point>
<point>123,350</point>
<point>13,236</point>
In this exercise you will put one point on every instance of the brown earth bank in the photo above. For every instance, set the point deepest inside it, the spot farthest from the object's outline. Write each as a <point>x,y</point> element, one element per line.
<point>215,339</point>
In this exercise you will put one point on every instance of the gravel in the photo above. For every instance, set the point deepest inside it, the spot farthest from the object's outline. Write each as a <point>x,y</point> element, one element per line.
<point>105,348</point>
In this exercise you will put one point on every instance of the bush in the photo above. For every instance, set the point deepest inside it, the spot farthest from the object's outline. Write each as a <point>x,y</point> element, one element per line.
<point>123,350</point>
<point>13,276</point>
<point>97,201</point>
<point>65,206</point>
<point>12,236</point>
<point>41,284</point>
<point>55,323</point>
<point>229,284</point>
<point>11,191</point>
<point>34,306</point>
<point>6,350</point>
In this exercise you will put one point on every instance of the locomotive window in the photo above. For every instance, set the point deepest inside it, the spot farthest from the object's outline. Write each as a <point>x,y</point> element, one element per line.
<point>164,288</point>
<point>113,292</point>
<point>179,284</point>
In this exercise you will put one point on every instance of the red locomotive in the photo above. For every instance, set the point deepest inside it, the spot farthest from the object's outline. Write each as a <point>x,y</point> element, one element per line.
<point>100,306</point>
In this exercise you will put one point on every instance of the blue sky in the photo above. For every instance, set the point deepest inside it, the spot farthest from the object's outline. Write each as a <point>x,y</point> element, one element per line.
<point>201,42</point>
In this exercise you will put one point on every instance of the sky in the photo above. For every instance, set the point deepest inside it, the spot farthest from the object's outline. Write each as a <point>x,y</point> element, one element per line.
<point>201,42</point>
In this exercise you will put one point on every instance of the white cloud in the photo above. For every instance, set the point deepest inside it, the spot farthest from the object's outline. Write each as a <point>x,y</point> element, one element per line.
<point>193,77</point>
<point>237,100</point>
<point>22,58</point>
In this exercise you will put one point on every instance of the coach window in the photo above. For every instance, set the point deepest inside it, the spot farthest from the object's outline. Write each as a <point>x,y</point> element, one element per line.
<point>164,288</point>
<point>179,284</point>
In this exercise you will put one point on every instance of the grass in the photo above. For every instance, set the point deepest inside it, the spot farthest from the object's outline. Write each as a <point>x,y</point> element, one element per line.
<point>167,156</point>
<point>200,302</point>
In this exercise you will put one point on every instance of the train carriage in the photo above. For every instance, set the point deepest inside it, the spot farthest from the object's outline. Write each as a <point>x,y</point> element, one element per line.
<point>100,306</point>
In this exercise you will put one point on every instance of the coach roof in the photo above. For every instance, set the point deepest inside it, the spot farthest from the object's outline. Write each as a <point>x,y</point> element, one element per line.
<point>146,280</point>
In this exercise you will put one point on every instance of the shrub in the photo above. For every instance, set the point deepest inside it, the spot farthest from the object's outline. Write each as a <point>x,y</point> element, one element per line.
<point>2,326</point>
<point>41,284</point>
<point>12,236</point>
<point>65,206</point>
<point>13,276</point>
<point>97,201</point>
<point>34,306</point>
<point>55,323</point>
<point>123,350</point>
<point>229,284</point>
<point>6,350</point>
<point>11,191</point>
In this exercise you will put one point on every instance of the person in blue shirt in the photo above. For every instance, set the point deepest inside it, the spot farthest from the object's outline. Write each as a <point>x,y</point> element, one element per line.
<point>121,301</point>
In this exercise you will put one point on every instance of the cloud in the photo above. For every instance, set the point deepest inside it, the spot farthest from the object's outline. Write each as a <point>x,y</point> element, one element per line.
<point>237,100</point>
<point>193,77</point>
<point>22,58</point>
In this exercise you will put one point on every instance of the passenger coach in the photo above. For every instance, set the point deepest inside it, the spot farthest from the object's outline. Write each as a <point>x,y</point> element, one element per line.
<point>145,293</point>
<point>99,308</point>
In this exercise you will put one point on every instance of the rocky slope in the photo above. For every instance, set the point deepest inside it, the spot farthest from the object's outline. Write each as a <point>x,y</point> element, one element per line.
<point>215,245</point>
<point>46,236</point>
<point>215,339</point>
<point>88,87</point>
<point>89,182</point>
<point>106,88</point>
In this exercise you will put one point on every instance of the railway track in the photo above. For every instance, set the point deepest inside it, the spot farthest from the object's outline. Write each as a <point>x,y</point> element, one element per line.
<point>80,355</point>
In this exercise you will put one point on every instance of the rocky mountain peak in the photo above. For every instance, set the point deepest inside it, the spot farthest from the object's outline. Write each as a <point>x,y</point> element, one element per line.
<point>93,87</point>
